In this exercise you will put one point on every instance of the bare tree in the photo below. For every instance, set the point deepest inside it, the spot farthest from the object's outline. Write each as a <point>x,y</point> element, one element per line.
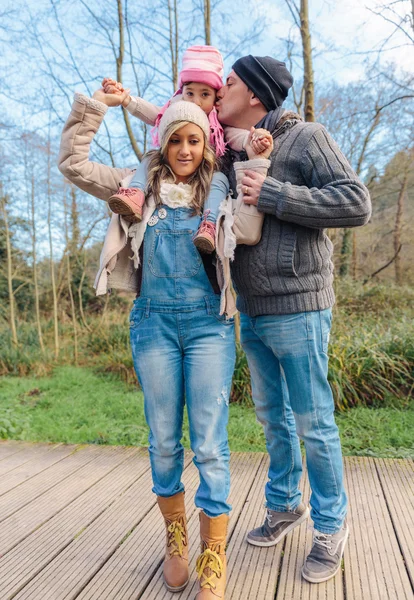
<point>34,266</point>
<point>207,22</point>
<point>300,16</point>
<point>69,282</point>
<point>408,165</point>
<point>3,202</point>
<point>51,259</point>
<point>400,14</point>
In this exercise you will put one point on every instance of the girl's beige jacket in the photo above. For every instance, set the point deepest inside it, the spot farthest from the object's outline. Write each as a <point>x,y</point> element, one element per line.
<point>117,269</point>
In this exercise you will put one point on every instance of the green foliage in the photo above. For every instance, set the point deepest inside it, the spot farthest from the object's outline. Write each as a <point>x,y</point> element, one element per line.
<point>371,351</point>
<point>76,405</point>
<point>242,390</point>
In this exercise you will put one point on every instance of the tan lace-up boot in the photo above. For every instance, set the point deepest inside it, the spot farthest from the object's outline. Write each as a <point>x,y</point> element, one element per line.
<point>175,568</point>
<point>211,564</point>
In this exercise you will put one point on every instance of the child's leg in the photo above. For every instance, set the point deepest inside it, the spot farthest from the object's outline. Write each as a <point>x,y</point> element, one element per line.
<point>139,180</point>
<point>205,238</point>
<point>129,201</point>
<point>218,191</point>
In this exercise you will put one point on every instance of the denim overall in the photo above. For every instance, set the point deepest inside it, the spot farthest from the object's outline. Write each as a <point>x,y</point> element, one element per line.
<point>183,352</point>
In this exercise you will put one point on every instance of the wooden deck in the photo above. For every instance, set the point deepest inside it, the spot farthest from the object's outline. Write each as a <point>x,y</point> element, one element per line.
<point>81,522</point>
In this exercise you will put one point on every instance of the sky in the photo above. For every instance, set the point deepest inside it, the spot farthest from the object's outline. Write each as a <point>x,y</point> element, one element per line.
<point>343,32</point>
<point>351,29</point>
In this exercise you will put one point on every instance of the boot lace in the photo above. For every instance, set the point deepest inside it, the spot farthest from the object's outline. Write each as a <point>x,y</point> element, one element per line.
<point>126,191</point>
<point>209,560</point>
<point>207,226</point>
<point>176,538</point>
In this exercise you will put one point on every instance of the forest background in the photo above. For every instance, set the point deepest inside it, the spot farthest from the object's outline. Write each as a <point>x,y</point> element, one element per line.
<point>65,365</point>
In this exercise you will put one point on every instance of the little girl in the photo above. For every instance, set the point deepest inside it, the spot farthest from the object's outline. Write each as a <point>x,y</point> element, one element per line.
<point>199,80</point>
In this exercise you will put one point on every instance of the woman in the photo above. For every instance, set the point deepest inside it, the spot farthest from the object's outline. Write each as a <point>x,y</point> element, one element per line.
<point>182,333</point>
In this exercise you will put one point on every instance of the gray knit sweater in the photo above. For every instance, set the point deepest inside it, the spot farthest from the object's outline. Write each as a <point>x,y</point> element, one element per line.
<point>310,187</point>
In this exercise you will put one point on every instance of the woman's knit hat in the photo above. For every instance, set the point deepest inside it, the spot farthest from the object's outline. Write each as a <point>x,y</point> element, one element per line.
<point>201,64</point>
<point>183,111</point>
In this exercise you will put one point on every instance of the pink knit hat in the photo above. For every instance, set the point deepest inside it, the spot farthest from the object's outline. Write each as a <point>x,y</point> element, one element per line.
<point>202,64</point>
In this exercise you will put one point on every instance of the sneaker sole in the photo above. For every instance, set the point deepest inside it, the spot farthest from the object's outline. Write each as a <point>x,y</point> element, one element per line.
<point>121,208</point>
<point>204,245</point>
<point>322,579</point>
<point>176,589</point>
<point>282,535</point>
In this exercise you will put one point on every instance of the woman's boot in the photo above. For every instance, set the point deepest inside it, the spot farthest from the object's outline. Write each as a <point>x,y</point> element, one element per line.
<point>175,568</point>
<point>211,564</point>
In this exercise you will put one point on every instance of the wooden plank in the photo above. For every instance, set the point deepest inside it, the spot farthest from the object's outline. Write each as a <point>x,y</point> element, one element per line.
<point>26,560</point>
<point>298,544</point>
<point>67,574</point>
<point>127,572</point>
<point>252,571</point>
<point>137,561</point>
<point>397,480</point>
<point>26,451</point>
<point>244,468</point>
<point>9,447</point>
<point>374,566</point>
<point>25,493</point>
<point>21,524</point>
<point>39,461</point>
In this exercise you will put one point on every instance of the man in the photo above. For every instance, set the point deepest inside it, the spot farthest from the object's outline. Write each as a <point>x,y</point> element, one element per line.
<point>285,296</point>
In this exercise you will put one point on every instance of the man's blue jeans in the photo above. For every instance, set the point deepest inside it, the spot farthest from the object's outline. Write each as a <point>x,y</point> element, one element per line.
<point>287,357</point>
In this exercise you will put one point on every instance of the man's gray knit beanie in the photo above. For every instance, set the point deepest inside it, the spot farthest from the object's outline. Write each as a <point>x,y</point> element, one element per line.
<point>267,77</point>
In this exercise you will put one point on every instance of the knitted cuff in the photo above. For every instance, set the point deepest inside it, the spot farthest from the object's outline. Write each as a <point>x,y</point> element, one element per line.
<point>270,199</point>
<point>91,102</point>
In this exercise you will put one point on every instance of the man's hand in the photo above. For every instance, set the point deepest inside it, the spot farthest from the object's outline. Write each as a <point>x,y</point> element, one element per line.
<point>259,143</point>
<point>251,187</point>
<point>110,99</point>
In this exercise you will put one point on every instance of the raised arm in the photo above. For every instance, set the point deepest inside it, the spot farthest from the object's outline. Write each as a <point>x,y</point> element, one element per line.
<point>79,130</point>
<point>136,106</point>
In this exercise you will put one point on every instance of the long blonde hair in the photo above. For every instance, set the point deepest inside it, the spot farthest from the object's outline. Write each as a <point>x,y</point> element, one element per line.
<point>159,170</point>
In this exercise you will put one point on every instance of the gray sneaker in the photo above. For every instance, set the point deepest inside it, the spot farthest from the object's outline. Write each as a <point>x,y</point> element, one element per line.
<point>276,526</point>
<point>324,560</point>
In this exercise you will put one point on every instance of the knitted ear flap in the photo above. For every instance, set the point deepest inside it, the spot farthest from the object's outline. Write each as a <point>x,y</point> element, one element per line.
<point>216,134</point>
<point>154,131</point>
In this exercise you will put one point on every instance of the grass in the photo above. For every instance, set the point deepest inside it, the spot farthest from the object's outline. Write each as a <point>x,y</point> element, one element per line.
<point>371,350</point>
<point>78,405</point>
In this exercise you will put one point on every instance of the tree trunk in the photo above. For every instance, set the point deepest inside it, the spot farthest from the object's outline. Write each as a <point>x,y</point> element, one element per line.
<point>354,262</point>
<point>412,14</point>
<point>307,62</point>
<point>173,26</point>
<point>51,261</point>
<point>398,228</point>
<point>69,284</point>
<point>81,311</point>
<point>9,274</point>
<point>207,22</point>
<point>346,249</point>
<point>119,64</point>
<point>35,281</point>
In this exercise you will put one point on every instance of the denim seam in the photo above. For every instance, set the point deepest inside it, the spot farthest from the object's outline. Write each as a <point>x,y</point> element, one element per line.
<point>290,446</point>
<point>316,416</point>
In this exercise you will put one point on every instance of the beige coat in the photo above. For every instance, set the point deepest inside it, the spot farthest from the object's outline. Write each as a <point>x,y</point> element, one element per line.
<point>116,269</point>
